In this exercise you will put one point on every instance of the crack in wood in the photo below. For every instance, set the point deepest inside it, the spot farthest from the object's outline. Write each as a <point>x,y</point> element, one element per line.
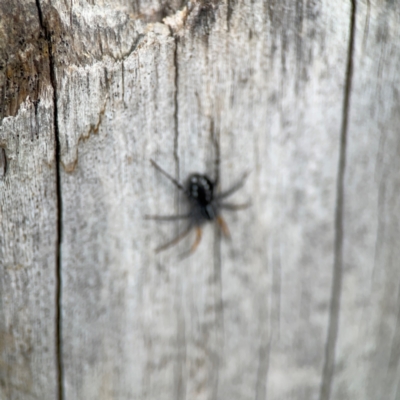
<point>333,325</point>
<point>176,114</point>
<point>3,163</point>
<point>93,130</point>
<point>58,319</point>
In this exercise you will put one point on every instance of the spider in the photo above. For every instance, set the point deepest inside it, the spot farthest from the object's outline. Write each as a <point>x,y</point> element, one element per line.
<point>204,206</point>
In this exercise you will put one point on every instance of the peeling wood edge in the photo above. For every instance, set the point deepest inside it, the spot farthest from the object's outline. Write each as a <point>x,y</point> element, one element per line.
<point>337,274</point>
<point>94,129</point>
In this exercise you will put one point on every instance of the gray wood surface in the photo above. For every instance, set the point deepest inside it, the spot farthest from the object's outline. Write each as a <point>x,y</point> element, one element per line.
<point>28,243</point>
<point>368,345</point>
<point>28,209</point>
<point>302,302</point>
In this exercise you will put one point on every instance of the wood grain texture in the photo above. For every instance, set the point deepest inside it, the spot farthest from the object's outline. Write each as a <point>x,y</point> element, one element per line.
<point>28,209</point>
<point>28,239</point>
<point>303,302</point>
<point>233,318</point>
<point>368,342</point>
<point>107,246</point>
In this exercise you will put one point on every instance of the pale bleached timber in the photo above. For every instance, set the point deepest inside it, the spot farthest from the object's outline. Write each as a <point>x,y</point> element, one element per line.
<point>220,88</point>
<point>28,209</point>
<point>368,347</point>
<point>212,325</point>
<point>28,243</point>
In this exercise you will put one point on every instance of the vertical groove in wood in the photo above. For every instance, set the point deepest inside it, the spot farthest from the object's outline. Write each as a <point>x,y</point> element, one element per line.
<point>3,163</point>
<point>176,106</point>
<point>337,276</point>
<point>58,218</point>
<point>367,355</point>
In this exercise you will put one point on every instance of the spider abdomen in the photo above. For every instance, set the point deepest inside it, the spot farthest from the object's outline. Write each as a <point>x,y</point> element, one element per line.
<point>200,190</point>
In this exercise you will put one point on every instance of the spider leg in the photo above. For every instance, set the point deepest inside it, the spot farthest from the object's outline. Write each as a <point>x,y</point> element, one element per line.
<point>172,179</point>
<point>167,217</point>
<point>234,188</point>
<point>234,207</point>
<point>174,240</point>
<point>223,226</point>
<point>194,245</point>
<point>197,240</point>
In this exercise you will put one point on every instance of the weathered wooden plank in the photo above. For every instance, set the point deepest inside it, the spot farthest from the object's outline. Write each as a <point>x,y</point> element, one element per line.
<point>28,209</point>
<point>231,92</point>
<point>284,123</point>
<point>368,358</point>
<point>28,244</point>
<point>216,88</point>
<point>107,251</point>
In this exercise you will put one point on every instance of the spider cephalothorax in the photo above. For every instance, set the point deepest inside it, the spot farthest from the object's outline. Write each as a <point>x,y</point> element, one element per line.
<point>204,205</point>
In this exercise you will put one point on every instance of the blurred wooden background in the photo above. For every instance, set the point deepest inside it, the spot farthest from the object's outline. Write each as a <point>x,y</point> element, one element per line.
<point>303,303</point>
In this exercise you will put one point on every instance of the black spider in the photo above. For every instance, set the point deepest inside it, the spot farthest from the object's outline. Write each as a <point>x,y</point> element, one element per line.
<point>204,205</point>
